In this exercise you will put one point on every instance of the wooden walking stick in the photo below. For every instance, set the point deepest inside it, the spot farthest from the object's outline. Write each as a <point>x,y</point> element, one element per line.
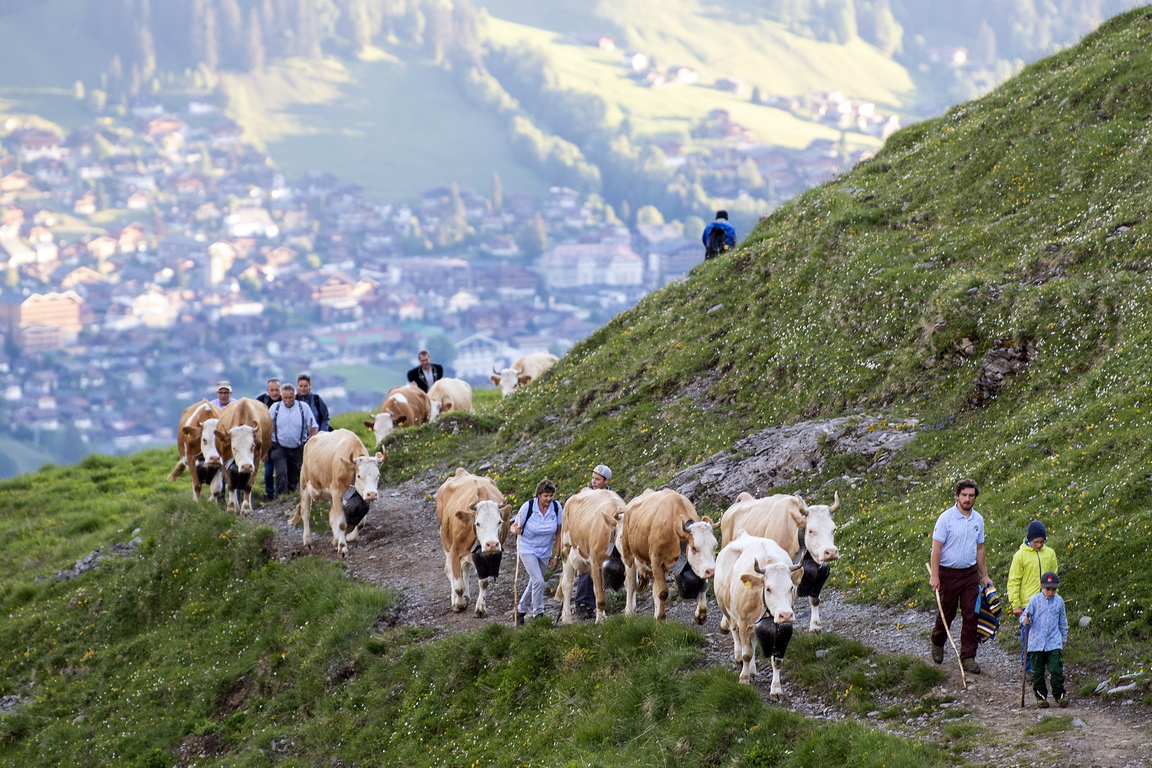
<point>515,581</point>
<point>948,632</point>
<point>1024,666</point>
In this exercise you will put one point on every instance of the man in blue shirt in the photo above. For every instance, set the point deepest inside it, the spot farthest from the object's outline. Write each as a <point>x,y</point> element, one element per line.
<point>958,570</point>
<point>292,424</point>
<point>729,242</point>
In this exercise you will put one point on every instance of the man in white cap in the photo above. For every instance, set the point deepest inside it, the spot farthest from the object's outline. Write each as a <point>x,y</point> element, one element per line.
<point>223,394</point>
<point>584,594</point>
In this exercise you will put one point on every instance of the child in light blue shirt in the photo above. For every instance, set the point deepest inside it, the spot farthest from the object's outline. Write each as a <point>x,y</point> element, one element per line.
<point>1047,625</point>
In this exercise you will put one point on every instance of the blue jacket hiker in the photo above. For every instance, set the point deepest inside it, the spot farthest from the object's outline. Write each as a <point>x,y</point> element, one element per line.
<point>714,244</point>
<point>538,528</point>
<point>1047,625</point>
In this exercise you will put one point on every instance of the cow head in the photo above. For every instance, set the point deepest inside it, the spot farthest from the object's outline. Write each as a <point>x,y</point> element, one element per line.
<point>243,439</point>
<point>701,547</point>
<point>366,478</point>
<point>434,412</point>
<point>774,579</point>
<point>487,523</point>
<point>818,532</point>
<point>509,380</point>
<point>381,425</point>
<point>206,438</point>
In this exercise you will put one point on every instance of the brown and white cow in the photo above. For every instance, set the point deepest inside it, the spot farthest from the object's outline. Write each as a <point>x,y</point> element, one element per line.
<point>753,581</point>
<point>590,517</point>
<point>781,518</point>
<point>449,395</point>
<point>472,515</point>
<point>521,372</point>
<point>243,435</point>
<point>333,463</point>
<point>657,527</point>
<point>196,441</point>
<point>405,406</point>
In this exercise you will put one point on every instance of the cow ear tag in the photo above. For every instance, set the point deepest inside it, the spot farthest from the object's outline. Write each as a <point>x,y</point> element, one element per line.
<point>747,585</point>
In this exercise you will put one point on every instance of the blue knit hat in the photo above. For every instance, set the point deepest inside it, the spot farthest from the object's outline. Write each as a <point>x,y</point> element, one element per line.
<point>1036,530</point>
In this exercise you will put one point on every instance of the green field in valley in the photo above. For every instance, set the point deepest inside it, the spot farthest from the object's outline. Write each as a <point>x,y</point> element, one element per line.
<point>390,125</point>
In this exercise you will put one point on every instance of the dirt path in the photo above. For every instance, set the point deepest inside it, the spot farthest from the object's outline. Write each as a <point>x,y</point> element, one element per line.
<point>400,548</point>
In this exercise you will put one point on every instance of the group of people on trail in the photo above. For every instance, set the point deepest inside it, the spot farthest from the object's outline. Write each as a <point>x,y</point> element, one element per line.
<point>958,573</point>
<point>297,414</point>
<point>538,525</point>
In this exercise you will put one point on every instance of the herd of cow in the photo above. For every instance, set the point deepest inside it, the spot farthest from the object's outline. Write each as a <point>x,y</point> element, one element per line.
<point>771,549</point>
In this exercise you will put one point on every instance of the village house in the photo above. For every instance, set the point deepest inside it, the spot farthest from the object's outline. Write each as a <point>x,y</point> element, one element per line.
<point>570,266</point>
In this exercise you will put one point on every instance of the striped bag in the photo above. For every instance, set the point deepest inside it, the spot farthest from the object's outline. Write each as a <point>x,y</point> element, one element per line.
<point>987,613</point>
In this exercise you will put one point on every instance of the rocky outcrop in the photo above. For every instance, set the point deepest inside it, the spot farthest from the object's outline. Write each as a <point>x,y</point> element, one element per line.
<point>1007,357</point>
<point>90,561</point>
<point>782,455</point>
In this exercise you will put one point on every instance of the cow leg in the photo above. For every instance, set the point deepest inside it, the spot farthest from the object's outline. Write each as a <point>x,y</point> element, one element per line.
<point>336,521</point>
<point>598,589</point>
<point>353,534</point>
<point>456,588</point>
<point>466,577</point>
<point>566,587</point>
<point>195,487</point>
<point>702,606</point>
<point>814,622</point>
<point>481,605</point>
<point>776,690</point>
<point>304,511</point>
<point>630,581</point>
<point>659,592</point>
<point>217,487</point>
<point>747,660</point>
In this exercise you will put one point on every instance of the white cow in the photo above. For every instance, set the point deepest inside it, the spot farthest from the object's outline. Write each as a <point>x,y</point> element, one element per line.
<point>523,371</point>
<point>780,518</point>
<point>754,579</point>
<point>449,395</point>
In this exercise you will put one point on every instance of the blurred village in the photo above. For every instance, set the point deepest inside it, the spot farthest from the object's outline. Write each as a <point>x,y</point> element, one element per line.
<point>149,255</point>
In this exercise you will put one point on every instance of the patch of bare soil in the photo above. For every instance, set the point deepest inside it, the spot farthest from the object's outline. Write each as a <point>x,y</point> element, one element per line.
<point>399,548</point>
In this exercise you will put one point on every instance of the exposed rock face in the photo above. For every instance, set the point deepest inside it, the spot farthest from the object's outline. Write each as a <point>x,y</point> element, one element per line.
<point>780,455</point>
<point>1007,358</point>
<point>90,561</point>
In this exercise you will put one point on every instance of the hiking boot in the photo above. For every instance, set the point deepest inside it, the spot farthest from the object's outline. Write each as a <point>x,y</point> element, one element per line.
<point>1043,704</point>
<point>970,666</point>
<point>519,618</point>
<point>937,653</point>
<point>1062,703</point>
<point>585,612</point>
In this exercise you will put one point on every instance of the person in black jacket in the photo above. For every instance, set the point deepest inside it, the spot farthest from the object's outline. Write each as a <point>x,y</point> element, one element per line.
<point>269,396</point>
<point>427,373</point>
<point>319,408</point>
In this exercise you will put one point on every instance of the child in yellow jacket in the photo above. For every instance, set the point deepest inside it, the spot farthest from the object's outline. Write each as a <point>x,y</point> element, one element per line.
<point>1031,561</point>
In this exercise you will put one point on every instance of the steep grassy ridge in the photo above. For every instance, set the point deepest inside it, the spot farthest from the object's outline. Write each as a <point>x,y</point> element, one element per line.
<point>1019,220</point>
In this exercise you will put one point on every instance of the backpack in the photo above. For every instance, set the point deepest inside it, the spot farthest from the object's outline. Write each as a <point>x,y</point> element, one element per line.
<point>717,242</point>
<point>533,505</point>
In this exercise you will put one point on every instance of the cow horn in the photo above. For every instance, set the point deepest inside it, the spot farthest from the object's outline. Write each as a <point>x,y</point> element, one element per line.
<point>756,567</point>
<point>495,371</point>
<point>796,567</point>
<point>688,523</point>
<point>835,503</point>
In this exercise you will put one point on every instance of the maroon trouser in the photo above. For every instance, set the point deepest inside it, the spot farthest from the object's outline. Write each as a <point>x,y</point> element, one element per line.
<point>958,586</point>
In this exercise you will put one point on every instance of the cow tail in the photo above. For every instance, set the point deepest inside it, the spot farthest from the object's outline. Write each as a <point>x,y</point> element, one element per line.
<point>296,515</point>
<point>178,470</point>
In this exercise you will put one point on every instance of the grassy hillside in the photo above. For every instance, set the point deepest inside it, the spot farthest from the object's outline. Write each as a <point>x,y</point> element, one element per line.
<point>1016,222</point>
<point>204,647</point>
